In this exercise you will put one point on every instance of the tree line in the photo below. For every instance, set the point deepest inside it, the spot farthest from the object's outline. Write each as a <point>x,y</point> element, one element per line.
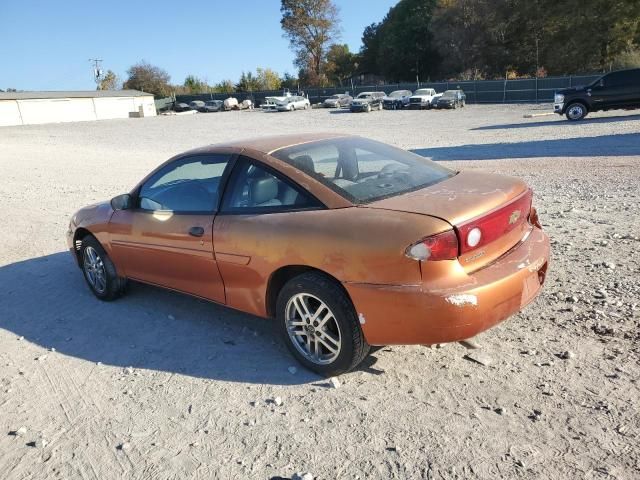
<point>478,39</point>
<point>434,40</point>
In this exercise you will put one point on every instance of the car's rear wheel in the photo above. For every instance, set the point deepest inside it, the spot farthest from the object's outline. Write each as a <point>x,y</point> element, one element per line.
<point>368,108</point>
<point>576,111</point>
<point>319,325</point>
<point>99,271</point>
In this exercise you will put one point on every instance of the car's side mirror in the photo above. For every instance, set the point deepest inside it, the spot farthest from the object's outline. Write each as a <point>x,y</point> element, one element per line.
<point>121,202</point>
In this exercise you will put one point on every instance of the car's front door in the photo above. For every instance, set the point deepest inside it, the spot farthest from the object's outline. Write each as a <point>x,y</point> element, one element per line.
<point>167,238</point>
<point>614,90</point>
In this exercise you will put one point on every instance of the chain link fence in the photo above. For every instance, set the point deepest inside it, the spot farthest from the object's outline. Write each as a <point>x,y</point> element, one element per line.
<point>527,90</point>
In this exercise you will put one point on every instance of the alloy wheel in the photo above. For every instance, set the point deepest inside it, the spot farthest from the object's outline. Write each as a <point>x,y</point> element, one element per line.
<point>94,270</point>
<point>313,329</point>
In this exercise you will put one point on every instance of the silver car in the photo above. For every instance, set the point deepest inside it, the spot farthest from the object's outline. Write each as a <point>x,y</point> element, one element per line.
<point>295,102</point>
<point>338,100</point>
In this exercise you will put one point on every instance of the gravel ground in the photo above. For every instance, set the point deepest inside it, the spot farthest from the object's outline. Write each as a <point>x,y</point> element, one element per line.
<point>160,385</point>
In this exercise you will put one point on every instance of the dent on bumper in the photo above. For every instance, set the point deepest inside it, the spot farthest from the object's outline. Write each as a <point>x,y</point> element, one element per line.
<point>448,310</point>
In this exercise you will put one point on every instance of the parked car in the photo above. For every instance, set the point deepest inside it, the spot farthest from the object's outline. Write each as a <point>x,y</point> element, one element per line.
<point>367,101</point>
<point>294,102</point>
<point>434,100</point>
<point>338,100</point>
<point>197,105</point>
<point>181,107</point>
<point>396,100</point>
<point>346,242</point>
<point>615,90</point>
<point>422,98</point>
<point>212,106</point>
<point>452,99</point>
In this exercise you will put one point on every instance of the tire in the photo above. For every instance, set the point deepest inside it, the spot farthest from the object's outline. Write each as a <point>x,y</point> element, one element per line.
<point>576,111</point>
<point>316,293</point>
<point>99,271</point>
<point>293,108</point>
<point>368,108</point>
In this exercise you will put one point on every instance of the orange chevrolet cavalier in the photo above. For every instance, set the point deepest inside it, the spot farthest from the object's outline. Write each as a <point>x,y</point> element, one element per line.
<point>346,242</point>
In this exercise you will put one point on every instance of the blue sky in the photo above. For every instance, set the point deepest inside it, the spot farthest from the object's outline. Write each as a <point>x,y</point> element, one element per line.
<point>46,44</point>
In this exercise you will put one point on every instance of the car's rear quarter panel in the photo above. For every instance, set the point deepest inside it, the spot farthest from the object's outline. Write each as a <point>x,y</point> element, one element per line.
<point>354,245</point>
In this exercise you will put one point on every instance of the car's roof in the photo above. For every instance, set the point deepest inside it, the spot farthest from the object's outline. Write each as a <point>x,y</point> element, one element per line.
<point>270,143</point>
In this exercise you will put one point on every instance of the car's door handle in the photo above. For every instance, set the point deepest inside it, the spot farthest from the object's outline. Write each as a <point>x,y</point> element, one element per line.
<point>196,231</point>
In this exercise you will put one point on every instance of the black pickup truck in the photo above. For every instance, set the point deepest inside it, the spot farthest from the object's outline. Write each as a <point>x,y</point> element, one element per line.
<point>615,90</point>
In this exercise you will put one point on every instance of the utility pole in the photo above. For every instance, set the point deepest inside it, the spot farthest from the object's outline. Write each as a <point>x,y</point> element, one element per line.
<point>97,70</point>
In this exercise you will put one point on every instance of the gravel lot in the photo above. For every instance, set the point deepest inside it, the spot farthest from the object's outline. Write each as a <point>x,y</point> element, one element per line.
<point>199,398</point>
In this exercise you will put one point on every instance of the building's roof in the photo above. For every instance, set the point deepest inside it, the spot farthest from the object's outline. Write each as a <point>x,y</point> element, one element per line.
<point>72,94</point>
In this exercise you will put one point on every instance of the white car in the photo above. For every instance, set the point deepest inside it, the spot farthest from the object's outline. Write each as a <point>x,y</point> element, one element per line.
<point>294,102</point>
<point>422,98</point>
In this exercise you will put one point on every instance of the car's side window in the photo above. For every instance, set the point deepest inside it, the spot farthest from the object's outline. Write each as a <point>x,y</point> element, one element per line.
<point>617,79</point>
<point>254,188</point>
<point>187,185</point>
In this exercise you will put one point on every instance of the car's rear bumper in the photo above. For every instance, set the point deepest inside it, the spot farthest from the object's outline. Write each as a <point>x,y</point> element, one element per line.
<point>455,305</point>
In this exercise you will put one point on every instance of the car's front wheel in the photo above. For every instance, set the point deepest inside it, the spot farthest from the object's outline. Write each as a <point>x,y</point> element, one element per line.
<point>319,324</point>
<point>576,111</point>
<point>99,271</point>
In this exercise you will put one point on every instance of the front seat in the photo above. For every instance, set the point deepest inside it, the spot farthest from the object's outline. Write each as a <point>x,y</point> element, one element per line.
<point>263,192</point>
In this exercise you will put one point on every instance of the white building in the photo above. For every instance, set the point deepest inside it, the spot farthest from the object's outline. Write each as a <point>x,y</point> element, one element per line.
<point>25,108</point>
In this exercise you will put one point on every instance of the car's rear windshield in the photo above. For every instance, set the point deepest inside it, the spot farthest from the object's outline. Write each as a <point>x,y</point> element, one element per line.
<point>363,170</point>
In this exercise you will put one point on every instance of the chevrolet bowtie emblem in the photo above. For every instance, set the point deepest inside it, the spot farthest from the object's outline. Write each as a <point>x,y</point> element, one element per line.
<point>513,218</point>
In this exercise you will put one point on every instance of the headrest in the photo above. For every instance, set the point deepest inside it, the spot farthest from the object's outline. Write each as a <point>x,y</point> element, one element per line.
<point>349,164</point>
<point>262,190</point>
<point>304,163</point>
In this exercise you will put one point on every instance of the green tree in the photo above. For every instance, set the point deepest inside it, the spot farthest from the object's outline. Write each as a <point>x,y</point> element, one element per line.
<point>310,26</point>
<point>401,46</point>
<point>248,83</point>
<point>290,81</point>
<point>148,78</point>
<point>225,86</point>
<point>370,49</point>
<point>341,64</point>
<point>110,81</point>
<point>268,79</point>
<point>193,84</point>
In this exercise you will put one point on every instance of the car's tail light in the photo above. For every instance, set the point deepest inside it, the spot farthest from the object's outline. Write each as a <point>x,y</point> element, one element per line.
<point>487,228</point>
<point>443,246</point>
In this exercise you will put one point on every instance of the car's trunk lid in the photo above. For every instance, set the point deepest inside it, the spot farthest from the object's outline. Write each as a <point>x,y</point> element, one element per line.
<point>498,205</point>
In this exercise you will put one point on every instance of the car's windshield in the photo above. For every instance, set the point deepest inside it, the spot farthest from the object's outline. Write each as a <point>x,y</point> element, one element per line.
<point>213,103</point>
<point>398,93</point>
<point>422,91</point>
<point>365,95</point>
<point>334,97</point>
<point>449,94</point>
<point>363,170</point>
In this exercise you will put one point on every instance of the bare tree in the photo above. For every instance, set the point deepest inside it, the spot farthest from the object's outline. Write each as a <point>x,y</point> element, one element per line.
<point>310,26</point>
<point>148,78</point>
